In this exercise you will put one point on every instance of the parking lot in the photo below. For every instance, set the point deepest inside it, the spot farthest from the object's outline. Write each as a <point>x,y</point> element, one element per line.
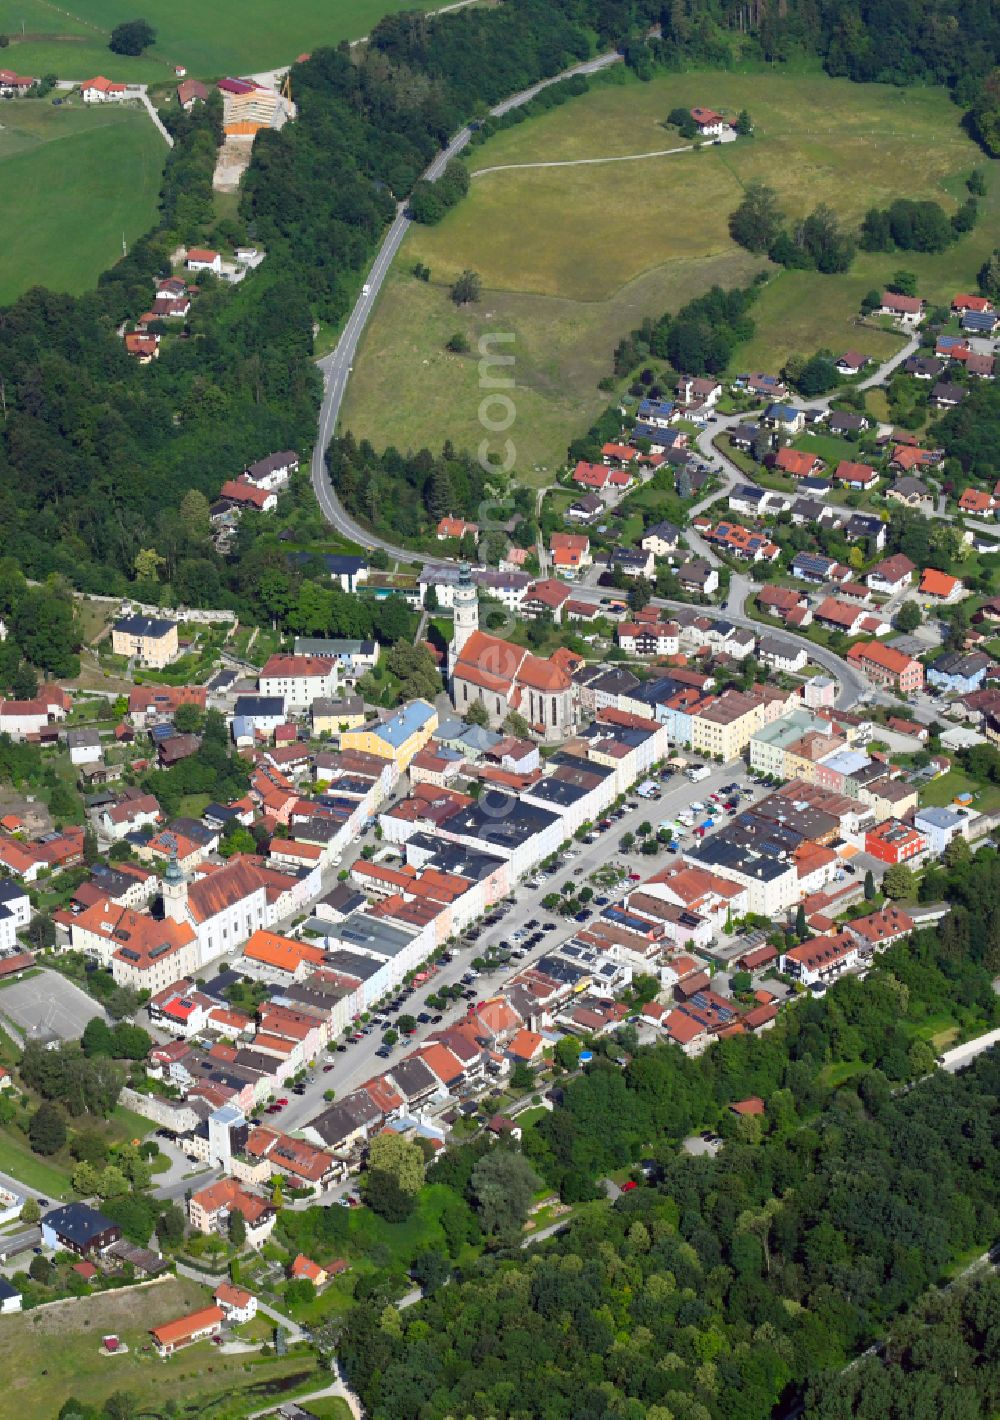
<point>48,1002</point>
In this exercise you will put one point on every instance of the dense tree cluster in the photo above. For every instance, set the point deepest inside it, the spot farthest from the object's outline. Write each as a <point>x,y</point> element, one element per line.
<point>82,1084</point>
<point>915,226</point>
<point>698,340</point>
<point>739,1281</point>
<point>942,1359</point>
<point>213,769</point>
<point>818,242</point>
<point>408,493</point>
<point>719,1293</point>
<point>971,431</point>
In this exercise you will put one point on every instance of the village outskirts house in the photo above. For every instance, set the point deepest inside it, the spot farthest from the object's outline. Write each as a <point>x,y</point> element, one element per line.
<point>152,640</point>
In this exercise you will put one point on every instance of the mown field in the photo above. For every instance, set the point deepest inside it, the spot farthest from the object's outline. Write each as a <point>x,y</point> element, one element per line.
<point>79,179</point>
<point>54,1353</point>
<point>572,257</point>
<point>209,40</point>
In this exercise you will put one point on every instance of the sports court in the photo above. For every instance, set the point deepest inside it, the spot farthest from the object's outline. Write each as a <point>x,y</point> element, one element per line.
<point>48,1003</point>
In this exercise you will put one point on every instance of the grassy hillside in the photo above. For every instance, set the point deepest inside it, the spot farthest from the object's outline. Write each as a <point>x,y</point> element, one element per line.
<point>571,257</point>
<point>81,178</point>
<point>54,1353</point>
<point>209,40</point>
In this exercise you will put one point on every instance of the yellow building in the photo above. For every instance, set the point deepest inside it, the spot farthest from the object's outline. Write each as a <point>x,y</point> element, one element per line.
<point>399,737</point>
<point>725,726</point>
<point>152,640</point>
<point>332,716</point>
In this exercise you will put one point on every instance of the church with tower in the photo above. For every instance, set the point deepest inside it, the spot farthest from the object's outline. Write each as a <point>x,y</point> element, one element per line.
<point>504,677</point>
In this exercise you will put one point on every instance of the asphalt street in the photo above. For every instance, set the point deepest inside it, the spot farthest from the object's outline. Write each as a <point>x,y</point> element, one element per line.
<point>359,1062</point>
<point>337,366</point>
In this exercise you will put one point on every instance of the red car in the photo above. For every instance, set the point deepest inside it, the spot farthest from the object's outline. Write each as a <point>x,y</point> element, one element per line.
<point>282,1101</point>
<point>628,1187</point>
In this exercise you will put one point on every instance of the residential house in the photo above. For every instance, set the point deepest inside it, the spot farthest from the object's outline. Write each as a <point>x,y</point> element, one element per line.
<point>237,1304</point>
<point>840,616</point>
<point>959,672</point>
<point>152,640</point>
<point>102,91</point>
<point>661,539</point>
<point>940,825</point>
<point>782,655</point>
<point>709,123</point>
<point>884,665</point>
<point>852,362</point>
<point>797,463</point>
<point>450,527</point>
<point>892,575</point>
<point>821,959</point>
<point>76,1227</point>
<point>947,396</point>
<point>569,552</point>
<point>880,929</point>
<point>698,576</point>
<point>199,259</point>
<point>784,417</point>
<point>977,502</point>
<point>940,586</point>
<point>860,476</point>
<point>907,310</point>
<point>209,1210</point>
<point>298,680</point>
<point>910,492</point>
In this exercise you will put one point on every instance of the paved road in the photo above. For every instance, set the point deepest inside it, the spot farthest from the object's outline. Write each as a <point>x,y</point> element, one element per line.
<point>359,1062</point>
<point>962,1055</point>
<point>336,366</point>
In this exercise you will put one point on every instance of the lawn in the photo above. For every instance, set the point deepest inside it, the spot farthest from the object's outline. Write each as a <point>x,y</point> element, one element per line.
<point>199,1380</point>
<point>594,248</point>
<point>17,1160</point>
<point>210,40</point>
<point>373,1243</point>
<point>85,179</point>
<point>939,793</point>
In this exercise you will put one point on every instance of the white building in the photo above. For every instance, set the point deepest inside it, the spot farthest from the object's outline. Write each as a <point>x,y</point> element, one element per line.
<point>15,913</point>
<point>299,680</point>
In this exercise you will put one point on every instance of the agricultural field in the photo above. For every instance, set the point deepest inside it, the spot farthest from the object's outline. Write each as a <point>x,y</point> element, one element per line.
<point>84,178</point>
<point>571,257</point>
<point>198,1380</point>
<point>209,40</point>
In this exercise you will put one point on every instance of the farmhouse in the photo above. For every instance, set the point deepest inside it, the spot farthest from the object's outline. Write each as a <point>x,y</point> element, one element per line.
<point>709,123</point>
<point>907,310</point>
<point>101,91</point>
<point>199,259</point>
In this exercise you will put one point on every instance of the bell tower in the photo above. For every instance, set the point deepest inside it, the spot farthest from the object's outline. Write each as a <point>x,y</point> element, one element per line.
<point>466,614</point>
<point>175,893</point>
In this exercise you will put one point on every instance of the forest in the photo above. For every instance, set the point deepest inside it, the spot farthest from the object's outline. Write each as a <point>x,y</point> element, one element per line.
<point>734,1285</point>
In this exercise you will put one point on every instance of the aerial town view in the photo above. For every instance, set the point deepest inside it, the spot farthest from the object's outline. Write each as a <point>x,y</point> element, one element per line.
<point>500,710</point>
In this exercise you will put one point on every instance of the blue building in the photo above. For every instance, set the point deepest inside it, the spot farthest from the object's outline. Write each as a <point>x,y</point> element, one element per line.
<point>959,672</point>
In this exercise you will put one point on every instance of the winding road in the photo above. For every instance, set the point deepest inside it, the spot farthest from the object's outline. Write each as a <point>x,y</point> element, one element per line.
<point>338,365</point>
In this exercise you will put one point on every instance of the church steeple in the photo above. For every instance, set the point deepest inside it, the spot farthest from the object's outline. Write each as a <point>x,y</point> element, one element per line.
<point>466,614</point>
<point>175,891</point>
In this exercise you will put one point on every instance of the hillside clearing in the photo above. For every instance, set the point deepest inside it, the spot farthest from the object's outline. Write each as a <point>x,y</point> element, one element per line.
<point>570,258</point>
